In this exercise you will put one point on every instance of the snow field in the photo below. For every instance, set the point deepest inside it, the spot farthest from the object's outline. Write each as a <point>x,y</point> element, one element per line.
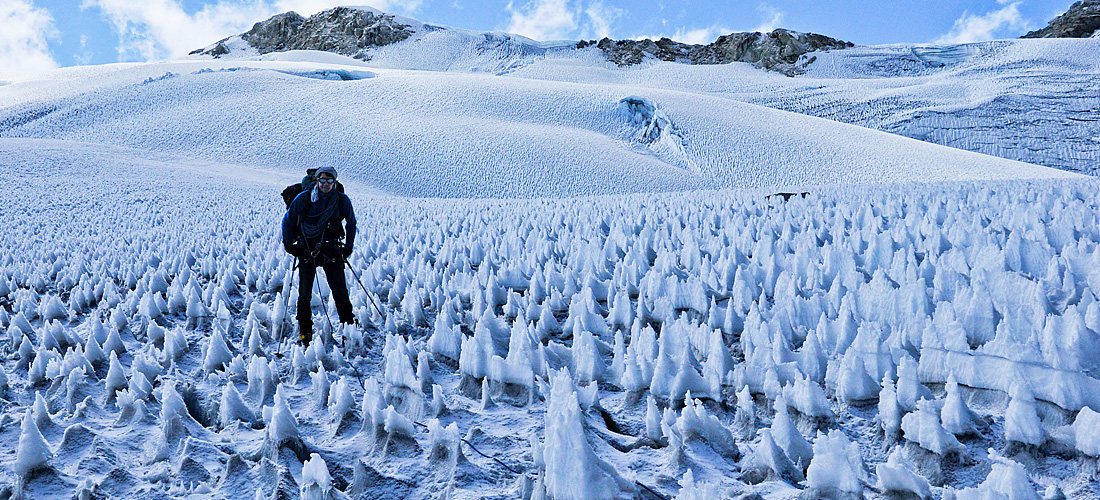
<point>432,134</point>
<point>1028,100</point>
<point>855,340</point>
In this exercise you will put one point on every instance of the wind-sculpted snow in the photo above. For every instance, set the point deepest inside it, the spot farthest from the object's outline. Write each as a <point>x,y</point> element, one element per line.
<point>900,338</point>
<point>1029,100</point>
<point>656,132</point>
<point>469,135</point>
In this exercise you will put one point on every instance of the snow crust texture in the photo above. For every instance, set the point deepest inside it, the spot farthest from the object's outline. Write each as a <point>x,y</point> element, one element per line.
<point>908,320</point>
<point>1031,100</point>
<point>929,340</point>
<point>437,134</point>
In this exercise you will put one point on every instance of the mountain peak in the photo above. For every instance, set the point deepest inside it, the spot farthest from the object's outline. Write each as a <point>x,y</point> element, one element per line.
<point>359,32</point>
<point>778,50</point>
<point>349,31</point>
<point>1082,20</point>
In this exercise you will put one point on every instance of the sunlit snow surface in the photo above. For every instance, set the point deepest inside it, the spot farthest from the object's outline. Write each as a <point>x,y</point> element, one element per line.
<point>923,318</point>
<point>430,133</point>
<point>1036,101</point>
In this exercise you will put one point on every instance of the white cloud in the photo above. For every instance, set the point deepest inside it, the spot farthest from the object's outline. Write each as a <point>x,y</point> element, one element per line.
<point>83,56</point>
<point>156,29</point>
<point>999,23</point>
<point>600,17</point>
<point>773,19</point>
<point>543,20</point>
<point>700,36</point>
<point>23,39</point>
<point>697,36</point>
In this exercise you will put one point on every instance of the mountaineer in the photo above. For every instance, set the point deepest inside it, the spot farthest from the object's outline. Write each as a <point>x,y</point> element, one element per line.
<point>292,191</point>
<point>312,232</point>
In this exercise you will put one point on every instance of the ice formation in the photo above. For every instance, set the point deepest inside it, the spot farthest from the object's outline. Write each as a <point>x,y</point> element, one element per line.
<point>1022,422</point>
<point>572,470</point>
<point>635,335</point>
<point>899,475</point>
<point>33,452</point>
<point>771,459</point>
<point>444,442</point>
<point>1086,432</point>
<point>116,378</point>
<point>282,427</point>
<point>217,353</point>
<point>696,423</point>
<point>1008,480</point>
<point>923,427</point>
<point>233,407</point>
<point>399,369</point>
<point>889,411</point>
<point>316,481</point>
<point>836,465</point>
<point>692,490</point>
<point>787,436</point>
<point>956,416</point>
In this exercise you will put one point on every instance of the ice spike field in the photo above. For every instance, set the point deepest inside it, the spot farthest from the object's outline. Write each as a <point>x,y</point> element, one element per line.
<point>878,278</point>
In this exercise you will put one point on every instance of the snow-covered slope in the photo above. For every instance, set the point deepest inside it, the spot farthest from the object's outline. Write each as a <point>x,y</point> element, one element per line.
<point>1029,100</point>
<point>386,40</point>
<point>423,133</point>
<point>922,322</point>
<point>720,343</point>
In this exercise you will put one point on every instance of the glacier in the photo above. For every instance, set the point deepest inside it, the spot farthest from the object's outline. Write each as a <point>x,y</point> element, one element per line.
<point>588,286</point>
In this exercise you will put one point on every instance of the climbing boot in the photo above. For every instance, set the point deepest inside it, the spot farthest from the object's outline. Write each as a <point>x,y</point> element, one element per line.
<point>305,333</point>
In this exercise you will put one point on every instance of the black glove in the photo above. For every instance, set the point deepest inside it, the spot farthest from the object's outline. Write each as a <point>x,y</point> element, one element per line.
<point>345,251</point>
<point>297,250</point>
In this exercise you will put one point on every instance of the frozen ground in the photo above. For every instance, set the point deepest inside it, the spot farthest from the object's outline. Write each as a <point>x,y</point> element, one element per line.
<point>924,321</point>
<point>1029,100</point>
<point>1032,100</point>
<point>439,134</point>
<point>806,305</point>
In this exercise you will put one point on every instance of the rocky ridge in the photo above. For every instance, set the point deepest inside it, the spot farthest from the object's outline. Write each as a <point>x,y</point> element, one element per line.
<point>354,32</point>
<point>342,30</point>
<point>1082,20</point>
<point>779,50</point>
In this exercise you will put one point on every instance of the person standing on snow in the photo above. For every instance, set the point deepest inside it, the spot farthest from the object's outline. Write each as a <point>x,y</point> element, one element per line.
<point>312,232</point>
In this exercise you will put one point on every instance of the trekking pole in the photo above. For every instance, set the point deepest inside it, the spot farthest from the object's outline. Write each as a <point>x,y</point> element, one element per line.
<point>371,297</point>
<point>286,298</point>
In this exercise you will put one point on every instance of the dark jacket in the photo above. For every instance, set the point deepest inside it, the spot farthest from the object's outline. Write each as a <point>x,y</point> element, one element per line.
<point>292,229</point>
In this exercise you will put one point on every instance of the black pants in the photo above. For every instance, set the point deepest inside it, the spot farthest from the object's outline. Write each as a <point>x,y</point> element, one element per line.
<point>334,271</point>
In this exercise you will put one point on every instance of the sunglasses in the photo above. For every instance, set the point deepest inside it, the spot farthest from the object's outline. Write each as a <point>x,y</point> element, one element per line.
<point>326,181</point>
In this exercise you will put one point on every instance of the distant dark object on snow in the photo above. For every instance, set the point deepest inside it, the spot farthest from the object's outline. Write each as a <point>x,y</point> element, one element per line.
<point>1082,20</point>
<point>787,196</point>
<point>779,50</point>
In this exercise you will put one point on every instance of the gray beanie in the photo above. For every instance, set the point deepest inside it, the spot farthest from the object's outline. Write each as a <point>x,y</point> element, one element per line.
<point>325,170</point>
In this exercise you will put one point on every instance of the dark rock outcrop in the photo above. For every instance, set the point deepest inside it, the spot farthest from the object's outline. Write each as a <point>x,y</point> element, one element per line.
<point>779,50</point>
<point>354,32</point>
<point>1080,21</point>
<point>342,30</point>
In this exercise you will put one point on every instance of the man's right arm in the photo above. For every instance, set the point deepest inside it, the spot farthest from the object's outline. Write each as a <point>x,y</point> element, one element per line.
<point>290,224</point>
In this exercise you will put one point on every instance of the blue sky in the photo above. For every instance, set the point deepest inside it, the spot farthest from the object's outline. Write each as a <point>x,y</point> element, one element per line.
<point>42,34</point>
